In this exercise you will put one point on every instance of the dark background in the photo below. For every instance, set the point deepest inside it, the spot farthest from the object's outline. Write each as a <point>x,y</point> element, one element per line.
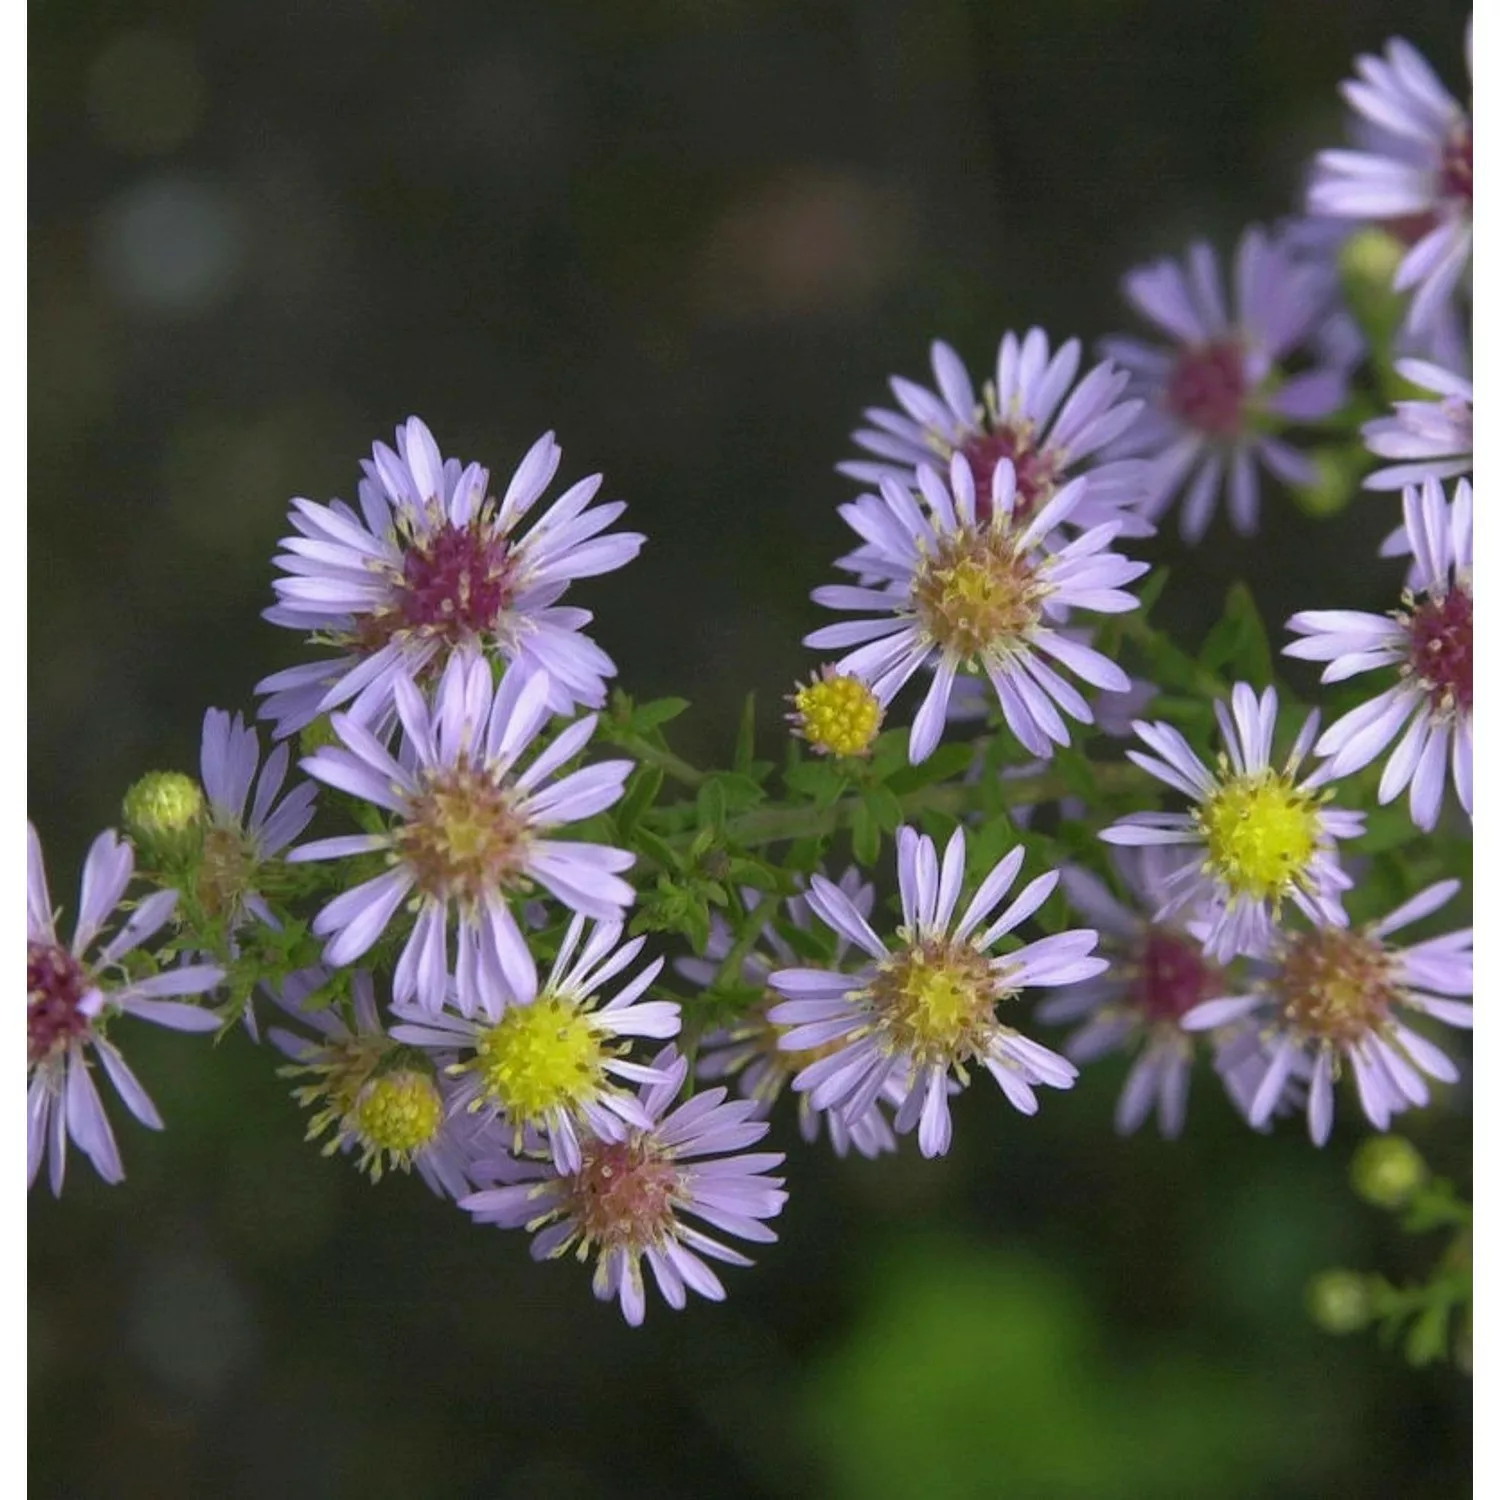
<point>693,237</point>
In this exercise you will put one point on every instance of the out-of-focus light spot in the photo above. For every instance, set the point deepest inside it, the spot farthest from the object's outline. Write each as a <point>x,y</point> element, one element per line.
<point>171,245</point>
<point>145,92</point>
<point>189,1323</point>
<point>807,242</point>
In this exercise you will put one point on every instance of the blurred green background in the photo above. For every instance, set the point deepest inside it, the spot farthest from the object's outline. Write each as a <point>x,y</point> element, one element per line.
<point>694,236</point>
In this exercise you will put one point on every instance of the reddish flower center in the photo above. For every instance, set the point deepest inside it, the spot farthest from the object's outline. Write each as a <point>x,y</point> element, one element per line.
<point>1207,387</point>
<point>455,581</point>
<point>1442,649</point>
<point>1036,469</point>
<point>55,987</point>
<point>1456,175</point>
<point>1172,976</point>
<point>624,1194</point>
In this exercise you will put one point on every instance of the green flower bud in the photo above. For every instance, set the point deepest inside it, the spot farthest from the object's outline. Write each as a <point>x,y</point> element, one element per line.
<point>1339,1301</point>
<point>316,735</point>
<point>162,813</point>
<point>1387,1171</point>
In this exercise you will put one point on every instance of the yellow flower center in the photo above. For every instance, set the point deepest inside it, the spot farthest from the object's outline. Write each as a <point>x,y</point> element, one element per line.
<point>837,715</point>
<point>937,998</point>
<point>977,594</point>
<point>1335,984</point>
<point>462,837</point>
<point>540,1057</point>
<point>399,1112</point>
<point>1261,833</point>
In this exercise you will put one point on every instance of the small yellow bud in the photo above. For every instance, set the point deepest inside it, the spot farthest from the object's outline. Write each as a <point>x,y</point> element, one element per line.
<point>162,812</point>
<point>1387,1171</point>
<point>836,714</point>
<point>1339,1301</point>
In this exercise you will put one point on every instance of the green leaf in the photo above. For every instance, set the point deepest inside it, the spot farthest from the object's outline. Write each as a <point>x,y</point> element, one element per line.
<point>644,788</point>
<point>660,711</point>
<point>946,762</point>
<point>866,833</point>
<point>885,808</point>
<point>713,807</point>
<point>744,743</point>
<point>1239,640</point>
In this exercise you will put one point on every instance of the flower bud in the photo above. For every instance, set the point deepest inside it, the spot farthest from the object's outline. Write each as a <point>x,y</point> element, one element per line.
<point>1387,1171</point>
<point>1339,1301</point>
<point>162,813</point>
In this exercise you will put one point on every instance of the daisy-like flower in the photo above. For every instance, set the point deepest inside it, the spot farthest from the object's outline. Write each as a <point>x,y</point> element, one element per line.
<point>1419,176</point>
<point>431,565</point>
<point>235,844</point>
<point>1262,837</point>
<point>546,1061</point>
<point>1216,397</point>
<point>629,1200</point>
<point>1430,642</point>
<point>72,996</point>
<point>970,596</point>
<point>1435,439</point>
<point>1021,416</point>
<point>749,1049</point>
<point>1338,995</point>
<point>1158,973</point>
<point>920,1013</point>
<point>468,832</point>
<point>389,1103</point>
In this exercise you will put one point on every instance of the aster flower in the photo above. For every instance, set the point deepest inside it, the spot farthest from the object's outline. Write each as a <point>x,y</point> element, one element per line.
<point>72,997</point>
<point>920,1013</point>
<point>1419,176</point>
<point>1338,996</point>
<point>468,832</point>
<point>1158,972</point>
<point>1217,395</point>
<point>630,1200</point>
<point>1434,438</point>
<point>978,597</point>
<point>1021,416</point>
<point>432,565</point>
<point>1262,836</point>
<point>1430,641</point>
<point>749,1049</point>
<point>389,1103</point>
<point>236,845</point>
<point>547,1060</point>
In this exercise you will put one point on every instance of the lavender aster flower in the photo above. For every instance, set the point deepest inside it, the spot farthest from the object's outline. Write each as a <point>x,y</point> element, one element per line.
<point>547,1061</point>
<point>1340,996</point>
<point>1430,641</point>
<point>1420,175</point>
<point>1158,973</point>
<point>468,833</point>
<point>919,1014</point>
<point>1215,396</point>
<point>630,1200</point>
<point>749,1048</point>
<point>1435,438</point>
<point>1263,837</point>
<point>432,565</point>
<point>1021,415</point>
<point>236,845</point>
<point>387,1102</point>
<point>73,996</point>
<point>972,596</point>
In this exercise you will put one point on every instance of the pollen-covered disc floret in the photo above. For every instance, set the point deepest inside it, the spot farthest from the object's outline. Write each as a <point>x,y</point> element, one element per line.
<point>836,714</point>
<point>1158,973</point>
<point>968,596</point>
<point>1262,836</point>
<point>73,993</point>
<point>919,1013</point>
<point>387,1104</point>
<point>1416,175</point>
<point>550,1061</point>
<point>1335,996</point>
<point>469,832</point>
<point>432,564</point>
<point>1429,642</point>
<point>748,1049</point>
<point>1215,398</point>
<point>1032,415</point>
<point>629,1198</point>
